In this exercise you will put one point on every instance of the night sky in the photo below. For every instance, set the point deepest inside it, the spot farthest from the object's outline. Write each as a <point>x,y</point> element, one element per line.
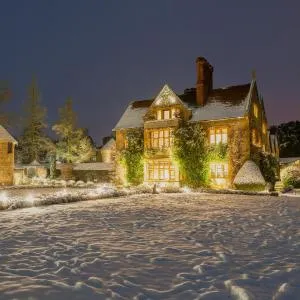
<point>107,53</point>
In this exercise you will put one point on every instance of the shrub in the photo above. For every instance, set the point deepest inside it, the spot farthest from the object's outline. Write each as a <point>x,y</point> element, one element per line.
<point>249,178</point>
<point>268,165</point>
<point>290,176</point>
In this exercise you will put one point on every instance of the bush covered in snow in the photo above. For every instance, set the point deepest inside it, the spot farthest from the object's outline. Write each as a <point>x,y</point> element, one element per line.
<point>290,176</point>
<point>249,177</point>
<point>171,189</point>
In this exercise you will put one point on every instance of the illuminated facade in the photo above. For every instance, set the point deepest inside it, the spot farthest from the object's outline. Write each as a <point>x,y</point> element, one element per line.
<point>223,112</point>
<point>7,157</point>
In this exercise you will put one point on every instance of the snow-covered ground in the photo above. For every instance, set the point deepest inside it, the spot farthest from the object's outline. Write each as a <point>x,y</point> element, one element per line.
<point>167,246</point>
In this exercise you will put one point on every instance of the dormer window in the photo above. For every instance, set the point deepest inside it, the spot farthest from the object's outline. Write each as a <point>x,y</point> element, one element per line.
<point>167,114</point>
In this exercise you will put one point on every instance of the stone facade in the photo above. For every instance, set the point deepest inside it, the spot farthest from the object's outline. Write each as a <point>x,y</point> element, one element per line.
<point>234,116</point>
<point>7,157</point>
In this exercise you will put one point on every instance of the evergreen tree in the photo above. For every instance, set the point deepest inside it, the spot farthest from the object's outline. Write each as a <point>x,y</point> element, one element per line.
<point>34,143</point>
<point>73,145</point>
<point>289,138</point>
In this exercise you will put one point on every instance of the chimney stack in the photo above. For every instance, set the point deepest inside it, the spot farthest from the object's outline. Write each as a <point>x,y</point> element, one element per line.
<point>204,83</point>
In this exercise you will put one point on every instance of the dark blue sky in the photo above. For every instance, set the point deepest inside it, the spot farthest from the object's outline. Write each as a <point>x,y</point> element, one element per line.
<point>107,53</point>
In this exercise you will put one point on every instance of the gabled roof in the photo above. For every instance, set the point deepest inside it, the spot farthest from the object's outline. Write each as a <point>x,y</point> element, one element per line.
<point>5,135</point>
<point>222,103</point>
<point>167,97</point>
<point>111,143</point>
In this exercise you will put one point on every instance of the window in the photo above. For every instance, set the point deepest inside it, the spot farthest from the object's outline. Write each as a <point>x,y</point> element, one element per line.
<point>218,135</point>
<point>264,128</point>
<point>158,115</point>
<point>256,138</point>
<point>255,110</point>
<point>166,114</point>
<point>219,170</point>
<point>162,138</point>
<point>9,148</point>
<point>161,171</point>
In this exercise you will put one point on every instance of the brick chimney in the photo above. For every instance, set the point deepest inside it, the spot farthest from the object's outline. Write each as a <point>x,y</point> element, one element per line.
<point>204,83</point>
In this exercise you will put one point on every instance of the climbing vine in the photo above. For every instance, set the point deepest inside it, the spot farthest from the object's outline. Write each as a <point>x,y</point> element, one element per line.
<point>191,152</point>
<point>132,156</point>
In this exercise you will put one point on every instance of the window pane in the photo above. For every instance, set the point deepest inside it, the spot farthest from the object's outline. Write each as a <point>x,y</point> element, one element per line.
<point>218,138</point>
<point>224,135</point>
<point>166,133</point>
<point>158,114</point>
<point>161,142</point>
<point>166,114</point>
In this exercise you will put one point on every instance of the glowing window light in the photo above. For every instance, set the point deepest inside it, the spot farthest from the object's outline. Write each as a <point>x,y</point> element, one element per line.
<point>219,170</point>
<point>160,171</point>
<point>218,135</point>
<point>255,110</point>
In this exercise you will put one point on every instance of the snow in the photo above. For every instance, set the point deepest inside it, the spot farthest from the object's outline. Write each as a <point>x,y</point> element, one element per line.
<point>216,110</point>
<point>165,246</point>
<point>249,173</point>
<point>132,117</point>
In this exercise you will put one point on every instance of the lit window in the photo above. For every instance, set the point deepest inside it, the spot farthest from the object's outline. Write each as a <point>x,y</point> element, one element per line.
<point>158,115</point>
<point>162,138</point>
<point>264,128</point>
<point>161,171</point>
<point>218,135</point>
<point>166,114</point>
<point>219,170</point>
<point>255,110</point>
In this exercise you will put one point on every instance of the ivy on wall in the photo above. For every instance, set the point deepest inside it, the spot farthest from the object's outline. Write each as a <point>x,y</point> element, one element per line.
<point>132,156</point>
<point>218,153</point>
<point>267,163</point>
<point>191,152</point>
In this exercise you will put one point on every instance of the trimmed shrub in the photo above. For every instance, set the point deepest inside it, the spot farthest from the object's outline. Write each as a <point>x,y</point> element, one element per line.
<point>249,178</point>
<point>290,176</point>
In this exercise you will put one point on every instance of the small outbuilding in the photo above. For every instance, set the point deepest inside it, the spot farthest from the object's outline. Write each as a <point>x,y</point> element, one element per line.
<point>7,157</point>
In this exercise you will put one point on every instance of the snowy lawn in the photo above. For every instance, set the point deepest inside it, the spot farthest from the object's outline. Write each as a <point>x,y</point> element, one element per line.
<point>168,246</point>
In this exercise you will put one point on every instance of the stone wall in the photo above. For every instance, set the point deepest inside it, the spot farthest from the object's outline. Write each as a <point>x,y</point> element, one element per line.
<point>6,164</point>
<point>95,176</point>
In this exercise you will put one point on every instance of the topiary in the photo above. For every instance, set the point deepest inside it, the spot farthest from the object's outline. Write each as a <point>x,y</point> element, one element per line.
<point>249,178</point>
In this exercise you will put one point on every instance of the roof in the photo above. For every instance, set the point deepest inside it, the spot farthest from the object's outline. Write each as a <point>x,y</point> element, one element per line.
<point>35,163</point>
<point>223,103</point>
<point>111,143</point>
<point>5,135</point>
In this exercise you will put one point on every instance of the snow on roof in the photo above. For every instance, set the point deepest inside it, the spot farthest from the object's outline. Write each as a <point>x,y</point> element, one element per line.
<point>95,166</point>
<point>223,103</point>
<point>249,173</point>
<point>132,117</point>
<point>287,160</point>
<point>5,135</point>
<point>35,163</point>
<point>111,143</point>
